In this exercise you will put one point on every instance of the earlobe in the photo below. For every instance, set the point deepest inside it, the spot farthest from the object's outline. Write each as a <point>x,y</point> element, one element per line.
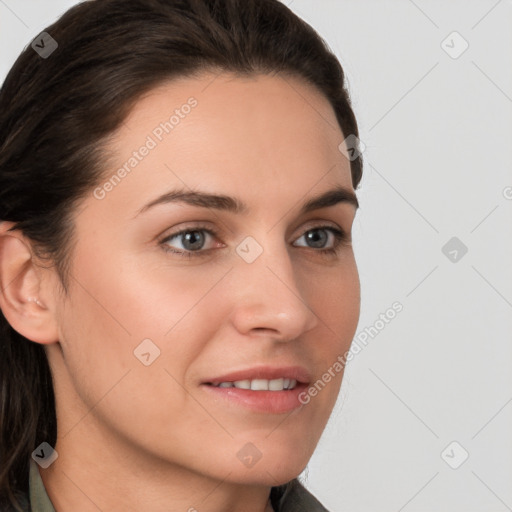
<point>20,287</point>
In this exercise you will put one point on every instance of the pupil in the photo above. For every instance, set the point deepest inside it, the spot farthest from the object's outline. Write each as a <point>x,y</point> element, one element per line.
<point>193,240</point>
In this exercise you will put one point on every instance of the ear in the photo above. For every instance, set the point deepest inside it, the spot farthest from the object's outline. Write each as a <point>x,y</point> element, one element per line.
<point>26,297</point>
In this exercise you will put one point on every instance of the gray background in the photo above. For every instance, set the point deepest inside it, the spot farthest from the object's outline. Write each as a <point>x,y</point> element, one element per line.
<point>438,159</point>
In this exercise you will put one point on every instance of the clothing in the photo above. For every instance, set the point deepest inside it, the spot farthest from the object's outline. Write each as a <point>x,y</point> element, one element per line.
<point>291,497</point>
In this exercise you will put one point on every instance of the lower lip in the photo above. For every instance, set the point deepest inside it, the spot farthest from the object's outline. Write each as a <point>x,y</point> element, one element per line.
<point>270,402</point>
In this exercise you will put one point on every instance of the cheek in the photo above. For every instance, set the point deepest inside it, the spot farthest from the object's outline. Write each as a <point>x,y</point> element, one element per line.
<point>109,312</point>
<point>133,300</point>
<point>336,299</point>
<point>335,296</point>
<point>115,307</point>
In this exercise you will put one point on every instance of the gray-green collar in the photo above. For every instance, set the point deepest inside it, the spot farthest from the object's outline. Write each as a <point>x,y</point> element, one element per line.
<point>39,501</point>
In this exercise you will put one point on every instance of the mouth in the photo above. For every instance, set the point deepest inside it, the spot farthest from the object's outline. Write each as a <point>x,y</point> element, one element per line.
<point>280,384</point>
<point>262,389</point>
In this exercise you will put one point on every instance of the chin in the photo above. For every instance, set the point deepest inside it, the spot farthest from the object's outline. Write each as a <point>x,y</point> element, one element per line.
<point>268,475</point>
<point>270,464</point>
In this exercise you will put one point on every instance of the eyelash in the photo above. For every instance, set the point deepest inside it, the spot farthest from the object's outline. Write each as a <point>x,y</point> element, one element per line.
<point>340,239</point>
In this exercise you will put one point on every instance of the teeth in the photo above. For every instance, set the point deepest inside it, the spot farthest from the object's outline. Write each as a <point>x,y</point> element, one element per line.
<point>242,384</point>
<point>276,384</point>
<point>261,384</point>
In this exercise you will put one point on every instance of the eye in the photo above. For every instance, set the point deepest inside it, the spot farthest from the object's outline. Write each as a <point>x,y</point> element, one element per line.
<point>199,240</point>
<point>325,238</point>
<point>188,241</point>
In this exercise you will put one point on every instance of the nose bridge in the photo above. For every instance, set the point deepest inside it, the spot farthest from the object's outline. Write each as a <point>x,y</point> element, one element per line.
<point>269,296</point>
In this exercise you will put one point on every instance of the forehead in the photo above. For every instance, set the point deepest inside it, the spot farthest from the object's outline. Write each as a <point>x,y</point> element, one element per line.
<point>234,93</point>
<point>238,133</point>
<point>227,108</point>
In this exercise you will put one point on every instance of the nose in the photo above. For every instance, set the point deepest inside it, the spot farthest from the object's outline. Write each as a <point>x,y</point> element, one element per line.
<point>269,300</point>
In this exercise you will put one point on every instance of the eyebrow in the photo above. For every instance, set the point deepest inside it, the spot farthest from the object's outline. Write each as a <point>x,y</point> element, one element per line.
<point>231,204</point>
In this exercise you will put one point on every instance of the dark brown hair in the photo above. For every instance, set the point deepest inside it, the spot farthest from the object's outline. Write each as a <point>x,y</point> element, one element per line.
<point>56,115</point>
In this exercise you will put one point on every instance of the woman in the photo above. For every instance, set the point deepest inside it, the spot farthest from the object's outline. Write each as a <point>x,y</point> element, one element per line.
<point>176,196</point>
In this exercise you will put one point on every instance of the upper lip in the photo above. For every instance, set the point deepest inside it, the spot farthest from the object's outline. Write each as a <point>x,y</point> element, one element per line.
<point>299,373</point>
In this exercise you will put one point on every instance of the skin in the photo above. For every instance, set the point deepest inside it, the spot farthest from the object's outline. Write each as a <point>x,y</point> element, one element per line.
<point>134,437</point>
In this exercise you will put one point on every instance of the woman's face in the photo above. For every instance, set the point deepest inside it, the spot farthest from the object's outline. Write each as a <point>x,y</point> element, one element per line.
<point>256,288</point>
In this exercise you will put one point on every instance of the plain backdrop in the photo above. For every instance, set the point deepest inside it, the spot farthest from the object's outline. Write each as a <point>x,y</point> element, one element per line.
<point>424,418</point>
